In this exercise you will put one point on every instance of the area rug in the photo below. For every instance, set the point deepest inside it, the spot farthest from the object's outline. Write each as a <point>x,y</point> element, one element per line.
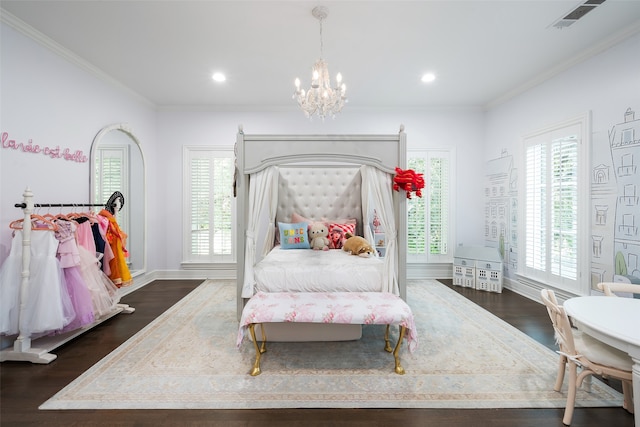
<point>187,359</point>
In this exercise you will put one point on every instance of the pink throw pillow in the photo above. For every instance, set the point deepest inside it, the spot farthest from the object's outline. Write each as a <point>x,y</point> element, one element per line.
<point>338,234</point>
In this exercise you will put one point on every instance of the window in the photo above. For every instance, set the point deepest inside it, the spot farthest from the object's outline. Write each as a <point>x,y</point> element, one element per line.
<point>111,174</point>
<point>429,236</point>
<point>555,204</point>
<point>209,205</point>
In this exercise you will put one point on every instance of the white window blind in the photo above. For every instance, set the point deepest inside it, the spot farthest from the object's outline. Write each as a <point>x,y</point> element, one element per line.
<point>429,237</point>
<point>209,205</point>
<point>553,205</point>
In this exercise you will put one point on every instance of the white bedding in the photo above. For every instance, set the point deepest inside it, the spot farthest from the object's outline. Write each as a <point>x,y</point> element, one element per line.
<point>306,270</point>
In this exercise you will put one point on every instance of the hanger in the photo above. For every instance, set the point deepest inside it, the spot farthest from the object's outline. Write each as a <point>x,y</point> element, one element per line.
<point>39,223</point>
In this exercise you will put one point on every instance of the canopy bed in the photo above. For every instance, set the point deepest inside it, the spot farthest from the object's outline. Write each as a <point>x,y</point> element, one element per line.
<point>344,181</point>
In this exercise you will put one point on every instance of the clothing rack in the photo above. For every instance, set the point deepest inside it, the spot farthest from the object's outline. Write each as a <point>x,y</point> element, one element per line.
<point>59,205</point>
<point>22,349</point>
<point>114,203</point>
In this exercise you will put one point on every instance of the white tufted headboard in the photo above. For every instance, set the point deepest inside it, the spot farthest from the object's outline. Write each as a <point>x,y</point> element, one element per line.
<point>320,193</point>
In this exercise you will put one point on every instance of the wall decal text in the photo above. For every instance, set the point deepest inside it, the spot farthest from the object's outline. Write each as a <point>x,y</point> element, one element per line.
<point>53,152</point>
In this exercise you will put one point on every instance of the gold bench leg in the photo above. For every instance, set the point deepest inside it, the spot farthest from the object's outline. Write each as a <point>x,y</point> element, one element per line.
<point>259,350</point>
<point>387,346</point>
<point>396,351</point>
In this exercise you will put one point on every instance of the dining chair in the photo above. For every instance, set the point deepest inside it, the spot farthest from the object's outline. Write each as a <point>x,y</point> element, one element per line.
<point>592,356</point>
<point>609,288</point>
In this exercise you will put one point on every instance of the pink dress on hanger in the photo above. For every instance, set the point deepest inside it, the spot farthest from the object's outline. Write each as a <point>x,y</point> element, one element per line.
<point>84,236</point>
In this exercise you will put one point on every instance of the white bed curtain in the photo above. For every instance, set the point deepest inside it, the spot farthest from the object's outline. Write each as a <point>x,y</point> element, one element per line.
<point>376,194</point>
<point>263,202</point>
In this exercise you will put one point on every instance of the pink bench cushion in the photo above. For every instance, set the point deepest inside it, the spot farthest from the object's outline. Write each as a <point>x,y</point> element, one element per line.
<point>360,308</point>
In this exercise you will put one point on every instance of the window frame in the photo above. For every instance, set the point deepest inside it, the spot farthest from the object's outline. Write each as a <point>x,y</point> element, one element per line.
<point>189,153</point>
<point>546,278</point>
<point>429,154</point>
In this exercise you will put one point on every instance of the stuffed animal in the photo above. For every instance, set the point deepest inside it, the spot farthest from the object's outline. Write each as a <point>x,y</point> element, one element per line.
<point>357,245</point>
<point>318,234</point>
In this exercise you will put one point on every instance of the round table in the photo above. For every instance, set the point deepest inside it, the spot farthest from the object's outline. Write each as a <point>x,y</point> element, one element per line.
<point>614,321</point>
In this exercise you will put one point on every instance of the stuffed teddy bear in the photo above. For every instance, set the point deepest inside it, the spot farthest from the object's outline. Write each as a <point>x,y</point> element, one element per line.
<point>357,245</point>
<point>318,234</point>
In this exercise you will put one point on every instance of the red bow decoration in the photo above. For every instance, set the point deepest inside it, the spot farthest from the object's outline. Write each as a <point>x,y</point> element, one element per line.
<point>409,181</point>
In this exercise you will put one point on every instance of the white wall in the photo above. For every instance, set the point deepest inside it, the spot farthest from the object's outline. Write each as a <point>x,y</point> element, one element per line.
<point>606,85</point>
<point>47,99</point>
<point>461,129</point>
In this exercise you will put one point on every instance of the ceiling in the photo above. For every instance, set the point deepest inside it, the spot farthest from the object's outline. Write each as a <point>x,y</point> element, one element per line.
<point>482,51</point>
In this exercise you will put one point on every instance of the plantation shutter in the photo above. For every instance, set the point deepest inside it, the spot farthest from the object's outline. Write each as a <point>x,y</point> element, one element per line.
<point>222,206</point>
<point>200,189</point>
<point>439,205</point>
<point>564,187</point>
<point>416,214</point>
<point>111,166</point>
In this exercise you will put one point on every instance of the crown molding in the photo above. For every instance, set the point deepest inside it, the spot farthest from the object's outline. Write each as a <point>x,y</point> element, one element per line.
<point>605,44</point>
<point>45,41</point>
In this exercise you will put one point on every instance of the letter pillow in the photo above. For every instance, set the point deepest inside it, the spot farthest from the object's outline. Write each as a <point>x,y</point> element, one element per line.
<point>294,236</point>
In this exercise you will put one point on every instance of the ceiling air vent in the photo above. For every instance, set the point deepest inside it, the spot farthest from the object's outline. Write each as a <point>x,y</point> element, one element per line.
<point>577,13</point>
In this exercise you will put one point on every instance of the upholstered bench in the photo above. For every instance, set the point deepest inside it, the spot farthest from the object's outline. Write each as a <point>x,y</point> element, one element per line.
<point>364,308</point>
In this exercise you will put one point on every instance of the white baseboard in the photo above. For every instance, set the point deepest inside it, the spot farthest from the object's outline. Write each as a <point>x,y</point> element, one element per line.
<point>531,289</point>
<point>429,271</point>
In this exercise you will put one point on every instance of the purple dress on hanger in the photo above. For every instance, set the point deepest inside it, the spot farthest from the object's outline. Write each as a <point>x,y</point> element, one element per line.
<point>69,257</point>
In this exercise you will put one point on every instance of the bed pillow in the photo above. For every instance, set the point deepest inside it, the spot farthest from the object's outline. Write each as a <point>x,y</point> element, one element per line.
<point>338,231</point>
<point>295,217</point>
<point>294,235</point>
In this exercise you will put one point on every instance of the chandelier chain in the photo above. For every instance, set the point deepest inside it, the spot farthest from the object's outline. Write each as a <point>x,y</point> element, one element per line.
<point>321,41</point>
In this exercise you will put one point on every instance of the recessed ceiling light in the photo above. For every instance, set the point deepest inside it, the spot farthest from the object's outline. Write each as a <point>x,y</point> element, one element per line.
<point>428,77</point>
<point>218,77</point>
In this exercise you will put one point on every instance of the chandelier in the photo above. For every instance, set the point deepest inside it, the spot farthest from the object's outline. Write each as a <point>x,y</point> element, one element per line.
<point>321,98</point>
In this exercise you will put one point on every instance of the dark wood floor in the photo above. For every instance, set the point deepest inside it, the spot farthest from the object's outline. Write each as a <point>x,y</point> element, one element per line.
<point>24,386</point>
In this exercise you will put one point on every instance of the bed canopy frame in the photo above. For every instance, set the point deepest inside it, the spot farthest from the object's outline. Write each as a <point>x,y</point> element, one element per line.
<point>257,153</point>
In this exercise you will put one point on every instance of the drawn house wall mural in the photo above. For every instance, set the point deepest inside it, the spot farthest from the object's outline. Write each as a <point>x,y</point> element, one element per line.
<point>501,210</point>
<point>615,205</point>
<point>624,139</point>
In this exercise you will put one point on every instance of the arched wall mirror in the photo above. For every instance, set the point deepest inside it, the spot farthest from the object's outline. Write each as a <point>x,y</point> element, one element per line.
<point>117,164</point>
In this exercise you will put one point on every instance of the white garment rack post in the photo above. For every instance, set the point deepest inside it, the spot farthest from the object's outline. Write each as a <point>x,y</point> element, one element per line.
<point>22,349</point>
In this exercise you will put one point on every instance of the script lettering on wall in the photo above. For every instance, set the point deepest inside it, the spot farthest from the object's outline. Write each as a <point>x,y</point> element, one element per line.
<point>56,152</point>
